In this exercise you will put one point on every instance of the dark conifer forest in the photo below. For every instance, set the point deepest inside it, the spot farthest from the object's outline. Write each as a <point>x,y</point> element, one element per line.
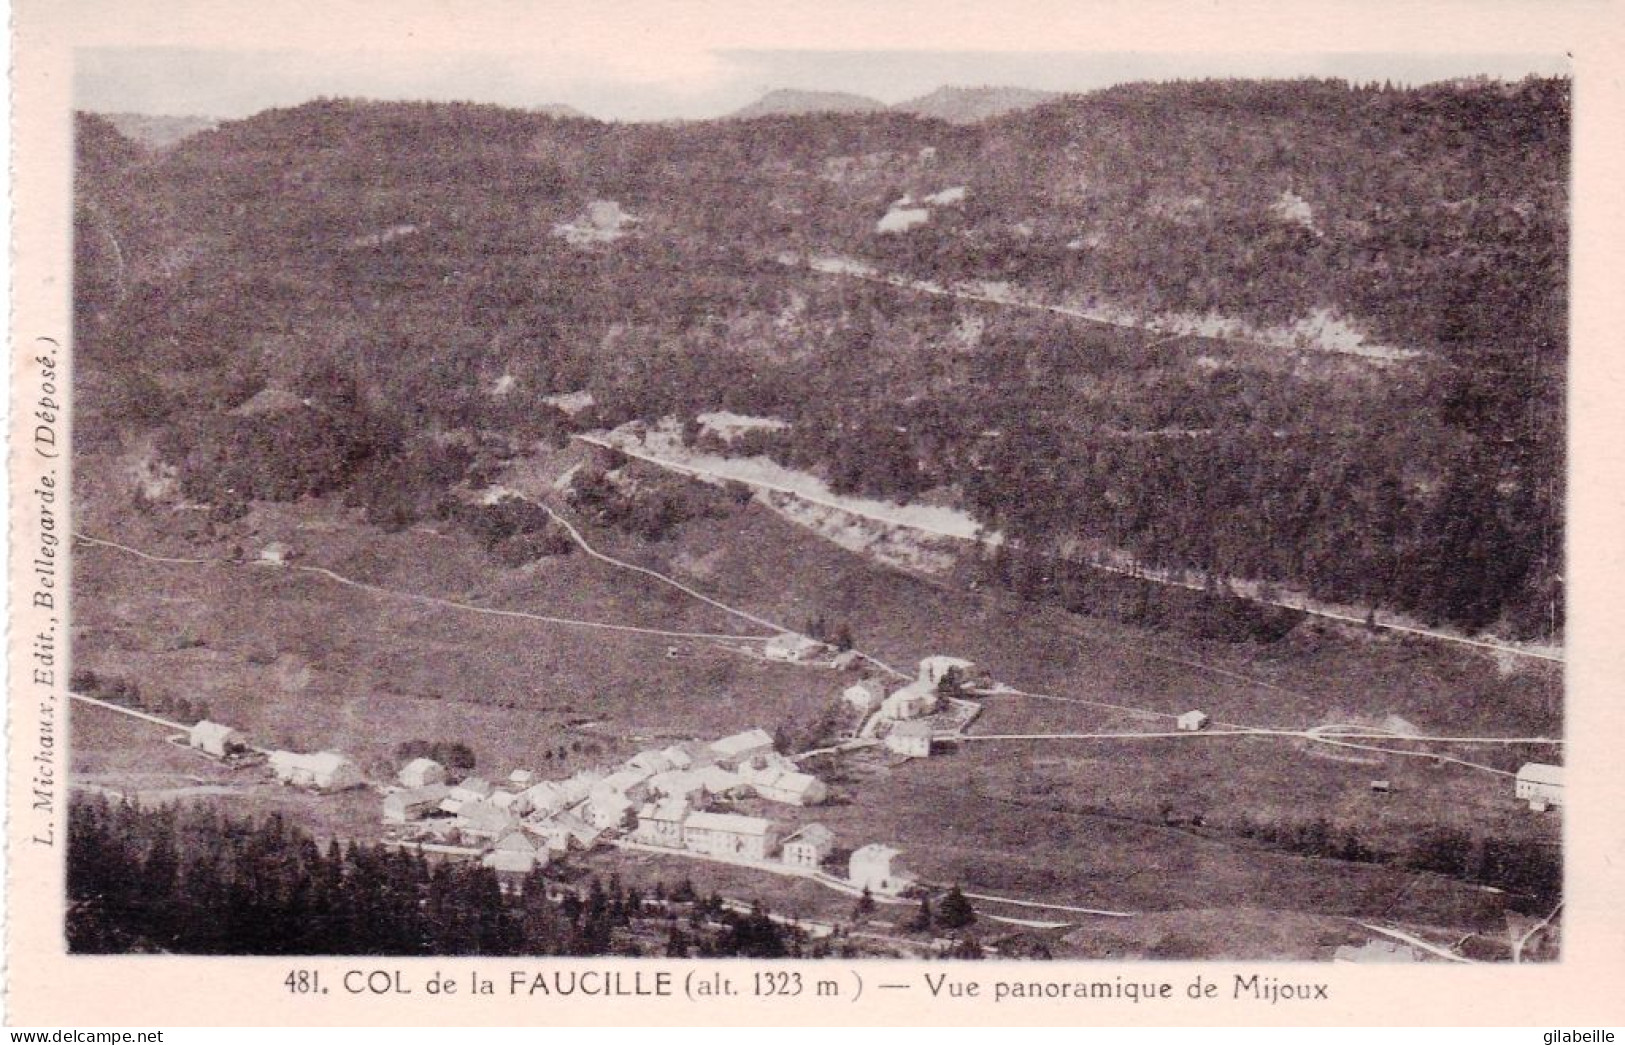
<point>296,303</point>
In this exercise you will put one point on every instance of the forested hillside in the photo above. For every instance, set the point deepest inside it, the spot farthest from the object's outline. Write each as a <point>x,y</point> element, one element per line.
<point>197,881</point>
<point>317,293</point>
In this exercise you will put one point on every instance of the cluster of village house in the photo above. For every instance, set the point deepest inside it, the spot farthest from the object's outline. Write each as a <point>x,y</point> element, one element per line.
<point>664,797</point>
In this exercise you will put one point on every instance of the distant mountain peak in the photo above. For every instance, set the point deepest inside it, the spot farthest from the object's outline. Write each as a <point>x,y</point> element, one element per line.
<point>789,102</point>
<point>158,132</point>
<point>974,104</point>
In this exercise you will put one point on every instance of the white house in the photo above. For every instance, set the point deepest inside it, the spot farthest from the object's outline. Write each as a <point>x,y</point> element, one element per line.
<point>473,789</point>
<point>934,669</point>
<point>792,648</point>
<point>565,832</point>
<point>874,867</point>
<point>482,818</point>
<point>678,783</point>
<point>402,807</point>
<point>520,779</point>
<point>216,739</point>
<point>542,800</point>
<point>276,554</point>
<point>1539,784</point>
<point>607,809</point>
<point>661,823</point>
<point>797,789</point>
<point>324,771</point>
<point>679,757</point>
<point>910,738</point>
<point>864,696</point>
<point>915,700</point>
<point>730,751</point>
<point>719,781</point>
<point>422,772</point>
<point>808,847</point>
<point>730,835</point>
<point>515,854</point>
<point>631,782</point>
<point>1193,721</point>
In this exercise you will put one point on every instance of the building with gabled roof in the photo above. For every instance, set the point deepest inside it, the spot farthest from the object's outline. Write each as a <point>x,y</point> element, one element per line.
<point>484,819</point>
<point>422,772</point>
<point>1193,721</point>
<point>865,695</point>
<point>566,832</point>
<point>915,700</point>
<point>911,738</point>
<point>790,787</point>
<point>730,751</point>
<point>515,856</point>
<point>792,648</point>
<point>402,807</point>
<point>324,771</point>
<point>1540,784</point>
<point>808,847</point>
<point>874,867</point>
<point>607,809</point>
<point>730,835</point>
<point>216,739</point>
<point>661,823</point>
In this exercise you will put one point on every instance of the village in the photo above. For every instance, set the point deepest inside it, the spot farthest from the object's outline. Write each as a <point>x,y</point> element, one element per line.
<point>685,799</point>
<point>680,798</point>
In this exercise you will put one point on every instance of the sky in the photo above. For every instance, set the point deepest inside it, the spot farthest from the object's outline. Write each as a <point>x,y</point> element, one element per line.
<point>685,84</point>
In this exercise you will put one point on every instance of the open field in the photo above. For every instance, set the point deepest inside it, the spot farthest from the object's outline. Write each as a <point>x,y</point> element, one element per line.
<point>1152,826</point>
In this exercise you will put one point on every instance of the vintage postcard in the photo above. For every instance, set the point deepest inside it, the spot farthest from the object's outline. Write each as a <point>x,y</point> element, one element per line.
<point>717,513</point>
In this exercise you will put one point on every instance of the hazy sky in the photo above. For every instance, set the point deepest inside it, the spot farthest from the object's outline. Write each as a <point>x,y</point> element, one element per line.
<point>694,84</point>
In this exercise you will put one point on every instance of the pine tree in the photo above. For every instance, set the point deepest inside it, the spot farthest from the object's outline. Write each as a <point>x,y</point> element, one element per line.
<point>956,911</point>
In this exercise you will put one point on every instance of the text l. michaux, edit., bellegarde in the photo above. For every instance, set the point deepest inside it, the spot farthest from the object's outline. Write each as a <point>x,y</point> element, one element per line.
<point>45,549</point>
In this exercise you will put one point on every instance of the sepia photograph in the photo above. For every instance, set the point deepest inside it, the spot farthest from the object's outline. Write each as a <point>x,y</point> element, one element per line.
<point>1054,506</point>
<point>631,508</point>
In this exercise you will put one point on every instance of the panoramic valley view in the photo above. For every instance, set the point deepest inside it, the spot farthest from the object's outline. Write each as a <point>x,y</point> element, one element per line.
<point>1003,525</point>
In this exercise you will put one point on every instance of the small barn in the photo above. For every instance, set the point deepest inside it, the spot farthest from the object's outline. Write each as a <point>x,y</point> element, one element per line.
<point>216,739</point>
<point>1539,784</point>
<point>910,738</point>
<point>874,867</point>
<point>402,807</point>
<point>520,779</point>
<point>276,554</point>
<point>1193,721</point>
<point>808,847</point>
<point>422,772</point>
<point>730,835</point>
